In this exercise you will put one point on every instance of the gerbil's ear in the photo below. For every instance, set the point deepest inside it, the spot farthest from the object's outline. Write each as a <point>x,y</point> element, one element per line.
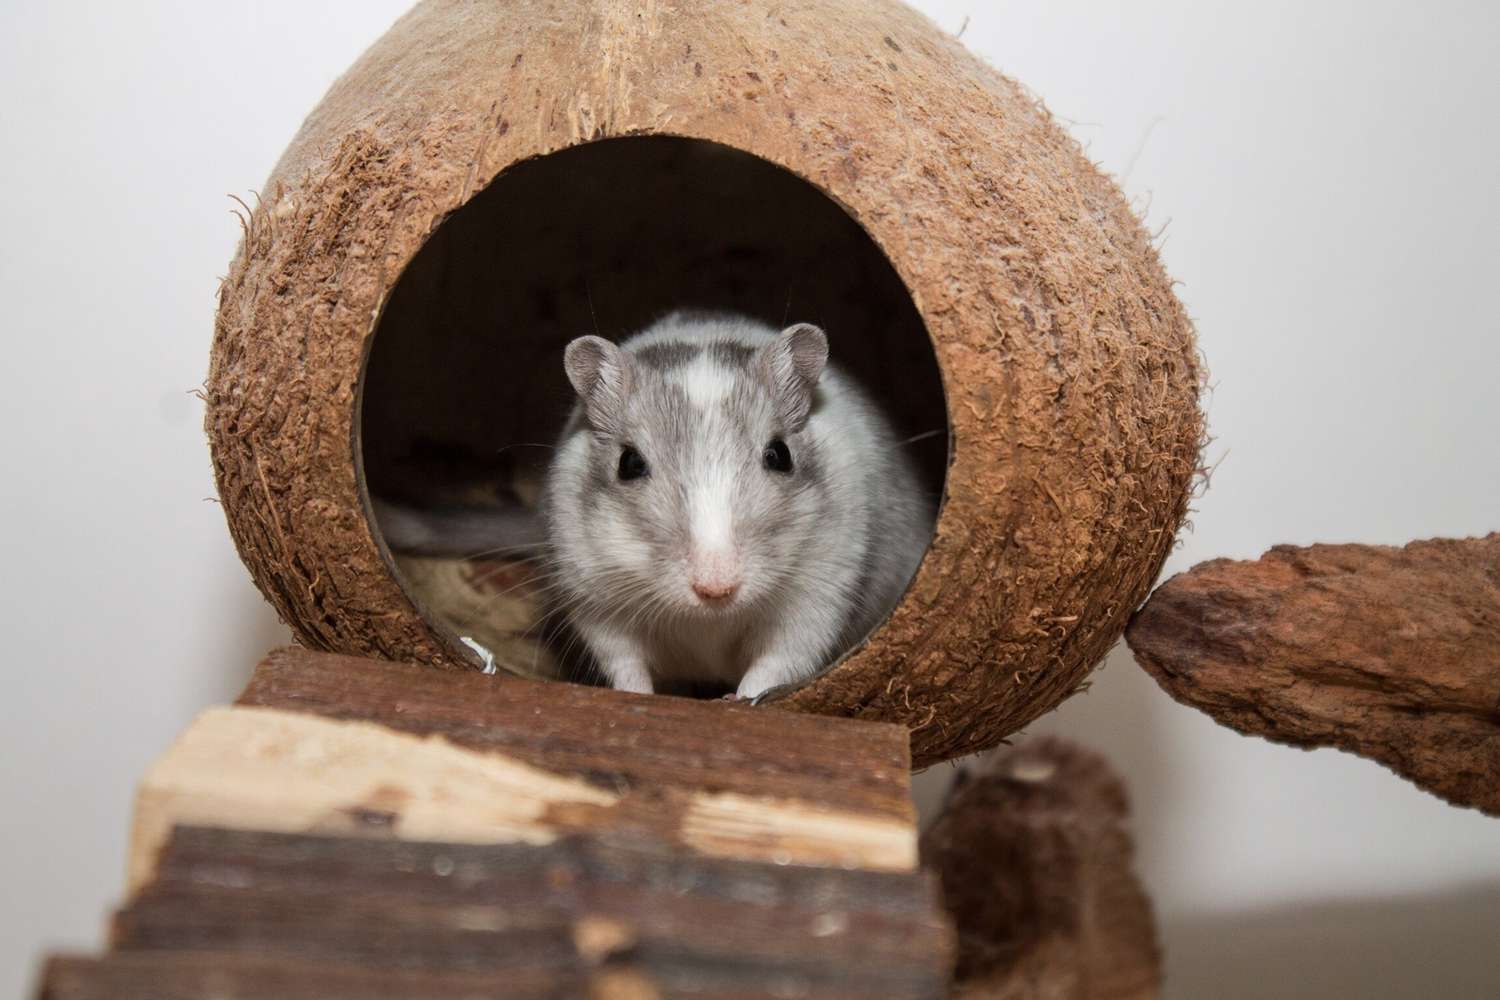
<point>792,363</point>
<point>601,374</point>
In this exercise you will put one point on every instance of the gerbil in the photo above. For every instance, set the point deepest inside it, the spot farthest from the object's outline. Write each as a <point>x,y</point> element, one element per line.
<point>724,505</point>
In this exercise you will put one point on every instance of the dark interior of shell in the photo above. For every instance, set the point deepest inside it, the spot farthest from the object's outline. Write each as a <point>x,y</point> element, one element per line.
<point>464,393</point>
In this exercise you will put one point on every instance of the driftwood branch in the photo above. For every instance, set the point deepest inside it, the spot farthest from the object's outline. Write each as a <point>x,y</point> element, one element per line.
<point>1035,863</point>
<point>1389,653</point>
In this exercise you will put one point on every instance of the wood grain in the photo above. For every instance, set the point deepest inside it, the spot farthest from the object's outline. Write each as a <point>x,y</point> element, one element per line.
<point>198,975</point>
<point>615,739</point>
<point>1389,653</point>
<point>329,744</point>
<point>567,910</point>
<point>506,837</point>
<point>1036,865</point>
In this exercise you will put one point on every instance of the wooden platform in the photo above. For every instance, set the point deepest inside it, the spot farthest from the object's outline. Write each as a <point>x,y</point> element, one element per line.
<point>353,828</point>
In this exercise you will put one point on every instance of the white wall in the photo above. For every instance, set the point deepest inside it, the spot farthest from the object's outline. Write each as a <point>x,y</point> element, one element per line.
<point>1327,178</point>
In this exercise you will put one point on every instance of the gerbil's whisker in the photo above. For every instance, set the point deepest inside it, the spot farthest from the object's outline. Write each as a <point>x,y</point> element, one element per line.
<point>540,585</point>
<point>588,293</point>
<point>921,437</point>
<point>499,549</point>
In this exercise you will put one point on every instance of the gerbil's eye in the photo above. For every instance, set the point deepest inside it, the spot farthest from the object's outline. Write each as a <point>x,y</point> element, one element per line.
<point>776,456</point>
<point>632,465</point>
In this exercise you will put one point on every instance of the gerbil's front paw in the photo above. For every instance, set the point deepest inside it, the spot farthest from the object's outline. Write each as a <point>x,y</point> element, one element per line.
<point>628,676</point>
<point>762,677</point>
<point>733,696</point>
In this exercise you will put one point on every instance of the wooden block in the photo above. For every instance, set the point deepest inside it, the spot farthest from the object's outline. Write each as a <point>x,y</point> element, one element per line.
<point>1390,653</point>
<point>1035,863</point>
<point>338,745</point>
<point>230,976</point>
<point>576,909</point>
<point>617,739</point>
<point>347,814</point>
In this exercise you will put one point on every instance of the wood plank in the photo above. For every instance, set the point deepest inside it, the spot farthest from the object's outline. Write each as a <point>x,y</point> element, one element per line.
<point>1389,653</point>
<point>344,745</point>
<point>1035,862</point>
<point>232,976</point>
<point>261,768</point>
<point>349,813</point>
<point>617,739</point>
<point>684,925</point>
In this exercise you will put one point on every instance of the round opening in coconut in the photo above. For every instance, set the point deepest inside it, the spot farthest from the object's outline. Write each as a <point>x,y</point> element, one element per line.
<point>729,348</point>
<point>686,512</point>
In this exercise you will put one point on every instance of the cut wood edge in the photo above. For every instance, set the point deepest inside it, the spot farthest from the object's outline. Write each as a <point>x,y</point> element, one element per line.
<point>737,826</point>
<point>619,739</point>
<point>284,772</point>
<point>288,772</point>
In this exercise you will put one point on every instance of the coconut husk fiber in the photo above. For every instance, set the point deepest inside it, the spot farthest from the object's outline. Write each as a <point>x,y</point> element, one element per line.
<point>1068,367</point>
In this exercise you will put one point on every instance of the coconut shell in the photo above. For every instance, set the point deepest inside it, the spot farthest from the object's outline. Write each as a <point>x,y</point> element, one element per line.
<point>1069,367</point>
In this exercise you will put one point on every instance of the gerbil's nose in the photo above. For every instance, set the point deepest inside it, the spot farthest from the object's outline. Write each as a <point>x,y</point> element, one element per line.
<point>715,576</point>
<point>715,592</point>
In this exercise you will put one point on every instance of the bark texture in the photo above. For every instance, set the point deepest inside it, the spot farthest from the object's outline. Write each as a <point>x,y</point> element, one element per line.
<point>356,829</point>
<point>1389,653</point>
<point>227,975</point>
<point>587,917</point>
<point>1069,366</point>
<point>1035,862</point>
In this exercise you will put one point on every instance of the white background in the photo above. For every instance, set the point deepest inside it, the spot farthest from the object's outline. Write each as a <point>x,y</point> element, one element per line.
<point>1327,178</point>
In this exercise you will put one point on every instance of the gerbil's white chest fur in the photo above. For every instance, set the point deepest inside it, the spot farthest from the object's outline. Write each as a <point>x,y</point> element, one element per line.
<point>724,505</point>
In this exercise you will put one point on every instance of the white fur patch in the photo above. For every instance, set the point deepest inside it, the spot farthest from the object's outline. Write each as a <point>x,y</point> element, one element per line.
<point>620,545</point>
<point>706,383</point>
<point>712,510</point>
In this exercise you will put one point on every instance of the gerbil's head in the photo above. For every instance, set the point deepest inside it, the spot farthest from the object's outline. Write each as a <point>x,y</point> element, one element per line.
<point>699,481</point>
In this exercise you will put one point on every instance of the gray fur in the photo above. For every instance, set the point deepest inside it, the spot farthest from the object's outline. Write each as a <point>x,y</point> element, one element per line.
<point>822,553</point>
<point>668,356</point>
<point>601,374</point>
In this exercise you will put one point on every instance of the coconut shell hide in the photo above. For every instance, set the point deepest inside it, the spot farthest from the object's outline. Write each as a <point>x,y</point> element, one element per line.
<point>1069,368</point>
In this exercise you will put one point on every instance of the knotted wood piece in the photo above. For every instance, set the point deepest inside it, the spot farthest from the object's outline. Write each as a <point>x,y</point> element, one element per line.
<point>1389,653</point>
<point>1035,861</point>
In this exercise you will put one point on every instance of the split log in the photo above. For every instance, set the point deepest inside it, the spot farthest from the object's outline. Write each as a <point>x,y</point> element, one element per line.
<point>574,911</point>
<point>1035,862</point>
<point>1389,653</point>
<point>339,745</point>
